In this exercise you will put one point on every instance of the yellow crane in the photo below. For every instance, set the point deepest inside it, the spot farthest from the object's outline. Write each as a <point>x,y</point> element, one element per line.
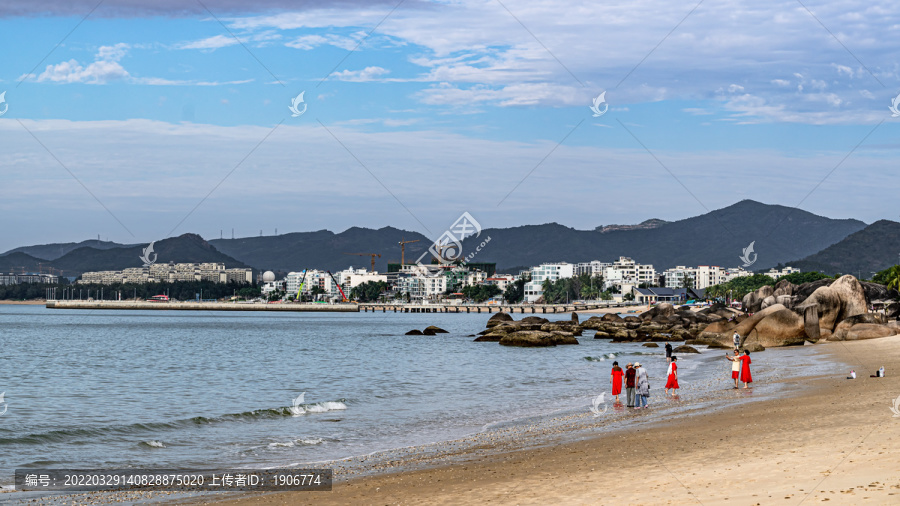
<point>403,244</point>
<point>373,255</point>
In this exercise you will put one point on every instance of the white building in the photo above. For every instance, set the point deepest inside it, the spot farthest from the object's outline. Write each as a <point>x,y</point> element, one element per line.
<point>703,276</point>
<point>775,274</point>
<point>502,281</point>
<point>626,271</point>
<point>544,272</point>
<point>594,268</point>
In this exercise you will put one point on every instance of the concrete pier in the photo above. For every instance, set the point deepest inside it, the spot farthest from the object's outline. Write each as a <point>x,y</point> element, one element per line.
<point>201,306</point>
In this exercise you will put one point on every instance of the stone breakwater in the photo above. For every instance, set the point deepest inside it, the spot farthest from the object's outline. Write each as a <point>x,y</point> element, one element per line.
<point>200,306</point>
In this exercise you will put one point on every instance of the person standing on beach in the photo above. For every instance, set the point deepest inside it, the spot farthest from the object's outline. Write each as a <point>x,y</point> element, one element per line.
<point>668,352</point>
<point>735,366</point>
<point>745,368</point>
<point>616,379</point>
<point>737,340</point>
<point>672,380</point>
<point>643,387</point>
<point>630,375</point>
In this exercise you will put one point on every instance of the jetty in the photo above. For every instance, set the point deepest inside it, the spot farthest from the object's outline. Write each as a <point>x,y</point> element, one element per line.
<point>489,308</point>
<point>309,307</point>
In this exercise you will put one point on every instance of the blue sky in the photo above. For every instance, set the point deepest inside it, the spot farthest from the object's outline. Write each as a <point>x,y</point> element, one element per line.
<point>158,119</point>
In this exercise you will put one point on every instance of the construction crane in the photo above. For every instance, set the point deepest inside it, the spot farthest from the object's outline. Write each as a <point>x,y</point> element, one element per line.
<point>373,255</point>
<point>403,244</point>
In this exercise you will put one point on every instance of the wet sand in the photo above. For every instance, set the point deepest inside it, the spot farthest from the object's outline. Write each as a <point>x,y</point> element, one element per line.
<point>834,441</point>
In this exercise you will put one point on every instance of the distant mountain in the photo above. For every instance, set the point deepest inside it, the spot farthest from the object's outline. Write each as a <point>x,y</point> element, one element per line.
<point>646,224</point>
<point>19,262</point>
<point>872,249</point>
<point>324,249</point>
<point>185,248</point>
<point>779,234</point>
<point>54,251</point>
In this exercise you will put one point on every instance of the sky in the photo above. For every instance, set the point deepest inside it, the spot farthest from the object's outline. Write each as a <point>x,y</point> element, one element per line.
<point>135,121</point>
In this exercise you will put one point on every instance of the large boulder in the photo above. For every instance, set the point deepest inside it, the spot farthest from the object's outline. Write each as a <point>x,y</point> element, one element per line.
<point>892,310</point>
<point>499,318</point>
<point>492,337</point>
<point>528,339</point>
<point>768,301</point>
<point>827,306</point>
<point>564,326</point>
<point>663,309</point>
<point>843,327</point>
<point>806,289</point>
<point>685,349</point>
<point>784,287</point>
<point>534,320</point>
<point>560,338</point>
<point>574,317</point>
<point>780,328</point>
<point>843,298</point>
<point>610,317</point>
<point>752,302</point>
<point>868,331</point>
<point>436,330</point>
<point>874,292</point>
<point>414,332</point>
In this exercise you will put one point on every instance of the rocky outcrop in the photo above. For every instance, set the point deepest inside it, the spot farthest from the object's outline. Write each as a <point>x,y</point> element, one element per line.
<point>685,349</point>
<point>499,318</point>
<point>536,338</point>
<point>414,332</point>
<point>752,302</point>
<point>650,345</point>
<point>436,330</point>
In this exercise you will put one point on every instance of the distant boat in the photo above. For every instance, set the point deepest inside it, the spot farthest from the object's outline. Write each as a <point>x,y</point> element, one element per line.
<point>159,298</point>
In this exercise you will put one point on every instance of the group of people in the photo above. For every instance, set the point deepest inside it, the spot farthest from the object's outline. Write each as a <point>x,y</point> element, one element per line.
<point>637,383</point>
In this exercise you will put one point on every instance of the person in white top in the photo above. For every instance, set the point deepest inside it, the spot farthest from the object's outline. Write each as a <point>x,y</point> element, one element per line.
<point>735,365</point>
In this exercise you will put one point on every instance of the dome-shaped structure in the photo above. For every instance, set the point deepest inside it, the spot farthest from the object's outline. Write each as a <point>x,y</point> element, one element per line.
<point>268,277</point>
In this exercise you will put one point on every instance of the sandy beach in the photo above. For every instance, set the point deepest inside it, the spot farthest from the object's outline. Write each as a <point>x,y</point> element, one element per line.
<point>24,302</point>
<point>835,442</point>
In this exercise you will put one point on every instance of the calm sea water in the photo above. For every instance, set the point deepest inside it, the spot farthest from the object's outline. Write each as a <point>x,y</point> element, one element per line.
<point>104,389</point>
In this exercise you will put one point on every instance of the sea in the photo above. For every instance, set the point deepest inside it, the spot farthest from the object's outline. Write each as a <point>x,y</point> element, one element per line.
<point>198,390</point>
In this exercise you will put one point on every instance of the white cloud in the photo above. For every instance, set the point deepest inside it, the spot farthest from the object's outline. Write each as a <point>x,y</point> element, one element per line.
<point>106,68</point>
<point>366,74</point>
<point>214,42</point>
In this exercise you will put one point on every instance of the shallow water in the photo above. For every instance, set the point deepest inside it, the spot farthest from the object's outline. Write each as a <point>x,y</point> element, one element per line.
<point>95,389</point>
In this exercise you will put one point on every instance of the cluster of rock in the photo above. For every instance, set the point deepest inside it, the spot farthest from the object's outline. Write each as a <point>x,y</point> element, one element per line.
<point>662,323</point>
<point>431,330</point>
<point>824,310</point>
<point>531,331</point>
<point>783,315</point>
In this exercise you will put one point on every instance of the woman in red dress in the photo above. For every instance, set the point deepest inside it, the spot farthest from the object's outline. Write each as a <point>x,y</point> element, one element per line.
<point>745,368</point>
<point>616,379</point>
<point>672,381</point>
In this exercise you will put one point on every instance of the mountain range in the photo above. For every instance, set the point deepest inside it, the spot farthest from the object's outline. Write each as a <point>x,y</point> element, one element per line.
<point>778,235</point>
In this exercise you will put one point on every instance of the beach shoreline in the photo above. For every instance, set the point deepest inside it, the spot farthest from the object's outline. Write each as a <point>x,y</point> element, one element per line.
<point>23,302</point>
<point>829,441</point>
